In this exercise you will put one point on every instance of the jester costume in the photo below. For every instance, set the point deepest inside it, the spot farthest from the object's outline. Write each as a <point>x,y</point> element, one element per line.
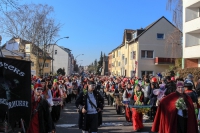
<point>138,98</point>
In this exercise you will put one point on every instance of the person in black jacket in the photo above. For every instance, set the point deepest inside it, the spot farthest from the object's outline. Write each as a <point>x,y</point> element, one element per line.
<point>188,85</point>
<point>90,104</point>
<point>40,114</point>
<point>170,85</point>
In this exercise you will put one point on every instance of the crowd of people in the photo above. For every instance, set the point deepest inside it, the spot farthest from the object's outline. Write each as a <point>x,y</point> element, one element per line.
<point>164,96</point>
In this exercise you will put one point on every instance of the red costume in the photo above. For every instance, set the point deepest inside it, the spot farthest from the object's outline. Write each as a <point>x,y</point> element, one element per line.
<point>137,117</point>
<point>166,116</point>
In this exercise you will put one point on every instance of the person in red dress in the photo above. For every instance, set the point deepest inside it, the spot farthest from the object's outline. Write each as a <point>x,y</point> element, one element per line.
<point>170,118</point>
<point>138,97</point>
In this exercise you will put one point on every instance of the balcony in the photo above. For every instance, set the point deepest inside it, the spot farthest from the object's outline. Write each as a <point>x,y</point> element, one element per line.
<point>192,26</point>
<point>164,61</point>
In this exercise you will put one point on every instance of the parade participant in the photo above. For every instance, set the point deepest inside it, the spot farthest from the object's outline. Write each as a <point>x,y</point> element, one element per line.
<point>152,97</point>
<point>188,85</point>
<point>55,113</point>
<point>40,115</point>
<point>68,84</point>
<point>90,105</point>
<point>190,78</point>
<point>48,96</point>
<point>176,113</point>
<point>74,89</point>
<point>145,91</point>
<point>62,93</point>
<point>138,97</point>
<point>126,100</point>
<point>198,87</point>
<point>170,85</point>
<point>160,93</point>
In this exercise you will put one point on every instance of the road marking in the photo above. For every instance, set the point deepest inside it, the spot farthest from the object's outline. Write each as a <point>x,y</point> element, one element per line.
<point>66,125</point>
<point>108,124</point>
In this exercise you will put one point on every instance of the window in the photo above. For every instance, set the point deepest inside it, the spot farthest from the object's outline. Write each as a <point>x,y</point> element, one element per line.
<point>199,12</point>
<point>146,54</point>
<point>118,63</point>
<point>119,53</point>
<point>160,36</point>
<point>149,54</point>
<point>113,64</point>
<point>122,57</point>
<point>46,65</point>
<point>132,55</point>
<point>134,35</point>
<point>113,55</point>
<point>46,74</point>
<point>125,61</point>
<point>32,64</point>
<point>143,73</point>
<point>143,54</point>
<point>55,51</point>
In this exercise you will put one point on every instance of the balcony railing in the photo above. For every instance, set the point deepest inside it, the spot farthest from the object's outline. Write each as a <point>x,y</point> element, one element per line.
<point>164,61</point>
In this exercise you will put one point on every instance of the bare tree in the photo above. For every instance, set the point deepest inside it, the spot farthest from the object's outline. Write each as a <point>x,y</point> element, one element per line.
<point>35,24</point>
<point>176,6</point>
<point>174,39</point>
<point>174,43</point>
<point>4,4</point>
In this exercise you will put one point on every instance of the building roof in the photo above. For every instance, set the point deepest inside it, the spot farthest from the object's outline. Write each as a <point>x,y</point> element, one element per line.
<point>128,33</point>
<point>66,49</point>
<point>6,52</point>
<point>22,47</point>
<point>149,27</point>
<point>126,36</point>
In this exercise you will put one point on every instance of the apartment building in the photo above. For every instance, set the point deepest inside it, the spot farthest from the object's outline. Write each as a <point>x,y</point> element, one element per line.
<point>191,33</point>
<point>143,51</point>
<point>62,58</point>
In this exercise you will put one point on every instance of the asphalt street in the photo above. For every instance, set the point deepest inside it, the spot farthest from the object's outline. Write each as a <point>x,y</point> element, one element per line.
<point>112,122</point>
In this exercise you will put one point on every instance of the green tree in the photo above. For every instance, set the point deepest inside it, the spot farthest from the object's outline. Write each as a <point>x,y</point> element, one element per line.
<point>61,71</point>
<point>100,64</point>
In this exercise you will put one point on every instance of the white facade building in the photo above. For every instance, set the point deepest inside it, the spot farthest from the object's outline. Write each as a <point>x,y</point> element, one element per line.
<point>191,33</point>
<point>62,58</point>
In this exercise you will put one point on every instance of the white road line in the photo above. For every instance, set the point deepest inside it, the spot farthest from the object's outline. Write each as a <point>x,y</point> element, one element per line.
<point>66,125</point>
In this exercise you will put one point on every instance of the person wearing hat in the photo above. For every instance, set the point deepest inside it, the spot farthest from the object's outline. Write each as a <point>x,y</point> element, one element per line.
<point>188,85</point>
<point>190,77</point>
<point>40,116</point>
<point>90,105</point>
<point>170,85</point>
<point>175,113</point>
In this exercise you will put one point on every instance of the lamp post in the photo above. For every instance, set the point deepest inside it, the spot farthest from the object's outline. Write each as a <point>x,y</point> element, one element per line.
<point>0,46</point>
<point>53,49</point>
<point>78,56</point>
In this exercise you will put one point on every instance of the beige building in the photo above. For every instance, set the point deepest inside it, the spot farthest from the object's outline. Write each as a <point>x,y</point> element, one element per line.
<point>143,51</point>
<point>21,49</point>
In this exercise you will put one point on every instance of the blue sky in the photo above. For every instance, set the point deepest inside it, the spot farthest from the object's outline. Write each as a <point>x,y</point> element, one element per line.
<point>98,25</point>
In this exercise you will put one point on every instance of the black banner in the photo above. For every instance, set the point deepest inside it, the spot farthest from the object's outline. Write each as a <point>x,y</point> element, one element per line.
<point>15,90</point>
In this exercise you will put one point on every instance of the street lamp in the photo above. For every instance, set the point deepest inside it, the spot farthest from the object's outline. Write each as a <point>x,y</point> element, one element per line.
<point>78,55</point>
<point>53,49</point>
